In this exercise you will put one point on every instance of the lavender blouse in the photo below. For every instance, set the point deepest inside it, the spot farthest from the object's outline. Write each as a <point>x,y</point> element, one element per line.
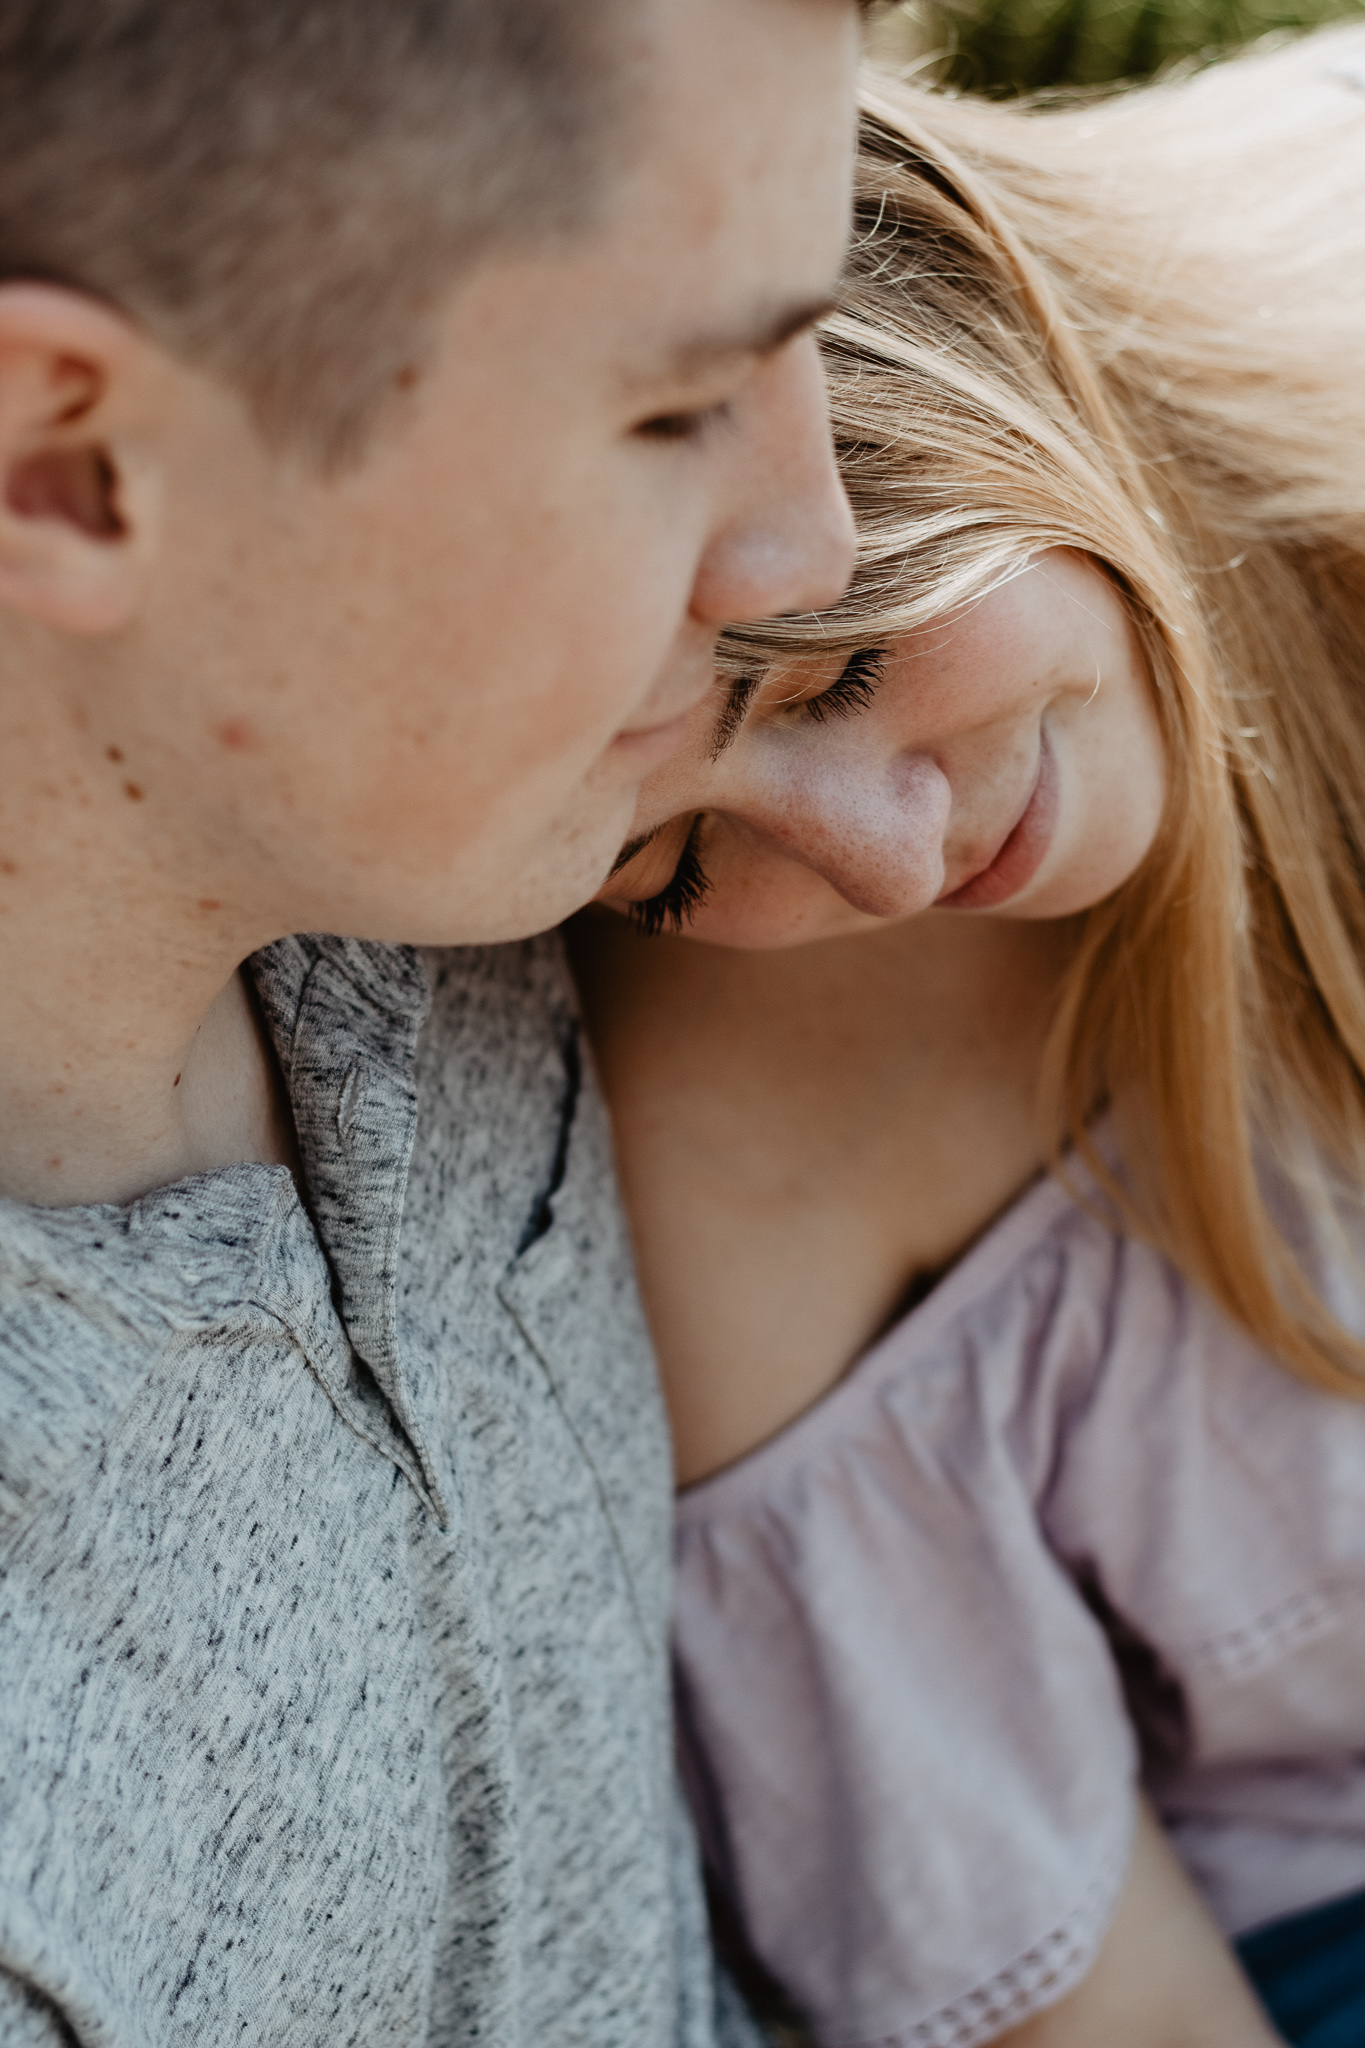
<point>1064,1527</point>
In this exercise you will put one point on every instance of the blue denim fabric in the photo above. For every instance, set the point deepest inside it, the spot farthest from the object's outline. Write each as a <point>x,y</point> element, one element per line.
<point>1309,1971</point>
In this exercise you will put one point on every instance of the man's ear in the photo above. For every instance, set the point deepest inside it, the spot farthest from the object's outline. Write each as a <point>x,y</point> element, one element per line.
<point>73,520</point>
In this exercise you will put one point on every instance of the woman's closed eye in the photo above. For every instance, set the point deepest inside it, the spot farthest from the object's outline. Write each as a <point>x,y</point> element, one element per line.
<point>676,903</point>
<point>852,690</point>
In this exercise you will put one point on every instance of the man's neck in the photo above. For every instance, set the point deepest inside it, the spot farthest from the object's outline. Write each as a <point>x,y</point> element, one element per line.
<point>112,1083</point>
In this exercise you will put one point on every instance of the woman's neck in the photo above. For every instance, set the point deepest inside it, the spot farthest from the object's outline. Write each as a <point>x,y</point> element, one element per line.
<point>802,1134</point>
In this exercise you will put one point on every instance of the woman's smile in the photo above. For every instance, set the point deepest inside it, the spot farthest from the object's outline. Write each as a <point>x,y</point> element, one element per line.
<point>1022,851</point>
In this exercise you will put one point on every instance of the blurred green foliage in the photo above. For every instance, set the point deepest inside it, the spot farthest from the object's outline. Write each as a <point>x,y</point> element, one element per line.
<point>1003,46</point>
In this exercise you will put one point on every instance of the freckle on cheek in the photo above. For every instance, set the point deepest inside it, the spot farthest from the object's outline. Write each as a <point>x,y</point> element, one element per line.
<point>8,867</point>
<point>209,903</point>
<point>133,792</point>
<point>113,753</point>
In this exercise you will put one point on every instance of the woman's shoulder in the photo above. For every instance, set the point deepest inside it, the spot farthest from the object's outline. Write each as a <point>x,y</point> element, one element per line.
<point>1054,1344</point>
<point>1013,1329</point>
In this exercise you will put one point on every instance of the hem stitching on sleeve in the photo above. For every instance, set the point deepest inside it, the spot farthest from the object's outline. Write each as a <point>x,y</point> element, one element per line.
<point>1034,1981</point>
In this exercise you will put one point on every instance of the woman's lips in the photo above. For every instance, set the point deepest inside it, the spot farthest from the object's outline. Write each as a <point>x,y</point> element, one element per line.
<point>1021,853</point>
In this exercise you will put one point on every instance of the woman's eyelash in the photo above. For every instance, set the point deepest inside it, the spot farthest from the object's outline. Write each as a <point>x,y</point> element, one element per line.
<point>853,691</point>
<point>678,903</point>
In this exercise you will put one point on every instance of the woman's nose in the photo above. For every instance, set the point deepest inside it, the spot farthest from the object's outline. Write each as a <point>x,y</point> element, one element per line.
<point>873,830</point>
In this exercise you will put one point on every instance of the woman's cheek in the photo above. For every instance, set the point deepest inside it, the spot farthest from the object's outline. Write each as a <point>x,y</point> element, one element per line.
<point>762,905</point>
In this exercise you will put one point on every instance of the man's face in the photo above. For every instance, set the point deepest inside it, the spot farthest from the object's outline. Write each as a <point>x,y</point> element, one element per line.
<point>417,701</point>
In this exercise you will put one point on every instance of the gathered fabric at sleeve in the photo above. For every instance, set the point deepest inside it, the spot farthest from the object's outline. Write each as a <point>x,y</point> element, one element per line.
<point>901,1724</point>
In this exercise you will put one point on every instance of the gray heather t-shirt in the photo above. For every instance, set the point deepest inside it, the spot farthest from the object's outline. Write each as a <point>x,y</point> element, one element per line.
<point>334,1564</point>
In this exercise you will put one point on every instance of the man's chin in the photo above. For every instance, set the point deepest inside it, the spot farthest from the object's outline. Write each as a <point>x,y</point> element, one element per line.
<point>461,913</point>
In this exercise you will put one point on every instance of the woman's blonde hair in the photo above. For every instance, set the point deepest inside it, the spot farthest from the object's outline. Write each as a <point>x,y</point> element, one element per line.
<point>1136,328</point>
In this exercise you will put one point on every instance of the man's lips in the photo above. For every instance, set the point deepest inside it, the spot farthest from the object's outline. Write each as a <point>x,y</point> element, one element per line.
<point>1021,853</point>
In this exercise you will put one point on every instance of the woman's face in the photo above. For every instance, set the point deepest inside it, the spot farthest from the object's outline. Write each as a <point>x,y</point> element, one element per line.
<point>1006,760</point>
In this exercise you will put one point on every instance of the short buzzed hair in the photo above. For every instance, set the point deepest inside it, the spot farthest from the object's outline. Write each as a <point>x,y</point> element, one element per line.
<point>278,190</point>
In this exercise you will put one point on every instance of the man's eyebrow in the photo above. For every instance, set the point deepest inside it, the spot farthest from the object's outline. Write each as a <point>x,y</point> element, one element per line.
<point>763,337</point>
<point>731,715</point>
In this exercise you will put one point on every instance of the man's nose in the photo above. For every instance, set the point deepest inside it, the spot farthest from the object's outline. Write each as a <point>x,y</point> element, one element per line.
<point>789,545</point>
<point>873,831</point>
